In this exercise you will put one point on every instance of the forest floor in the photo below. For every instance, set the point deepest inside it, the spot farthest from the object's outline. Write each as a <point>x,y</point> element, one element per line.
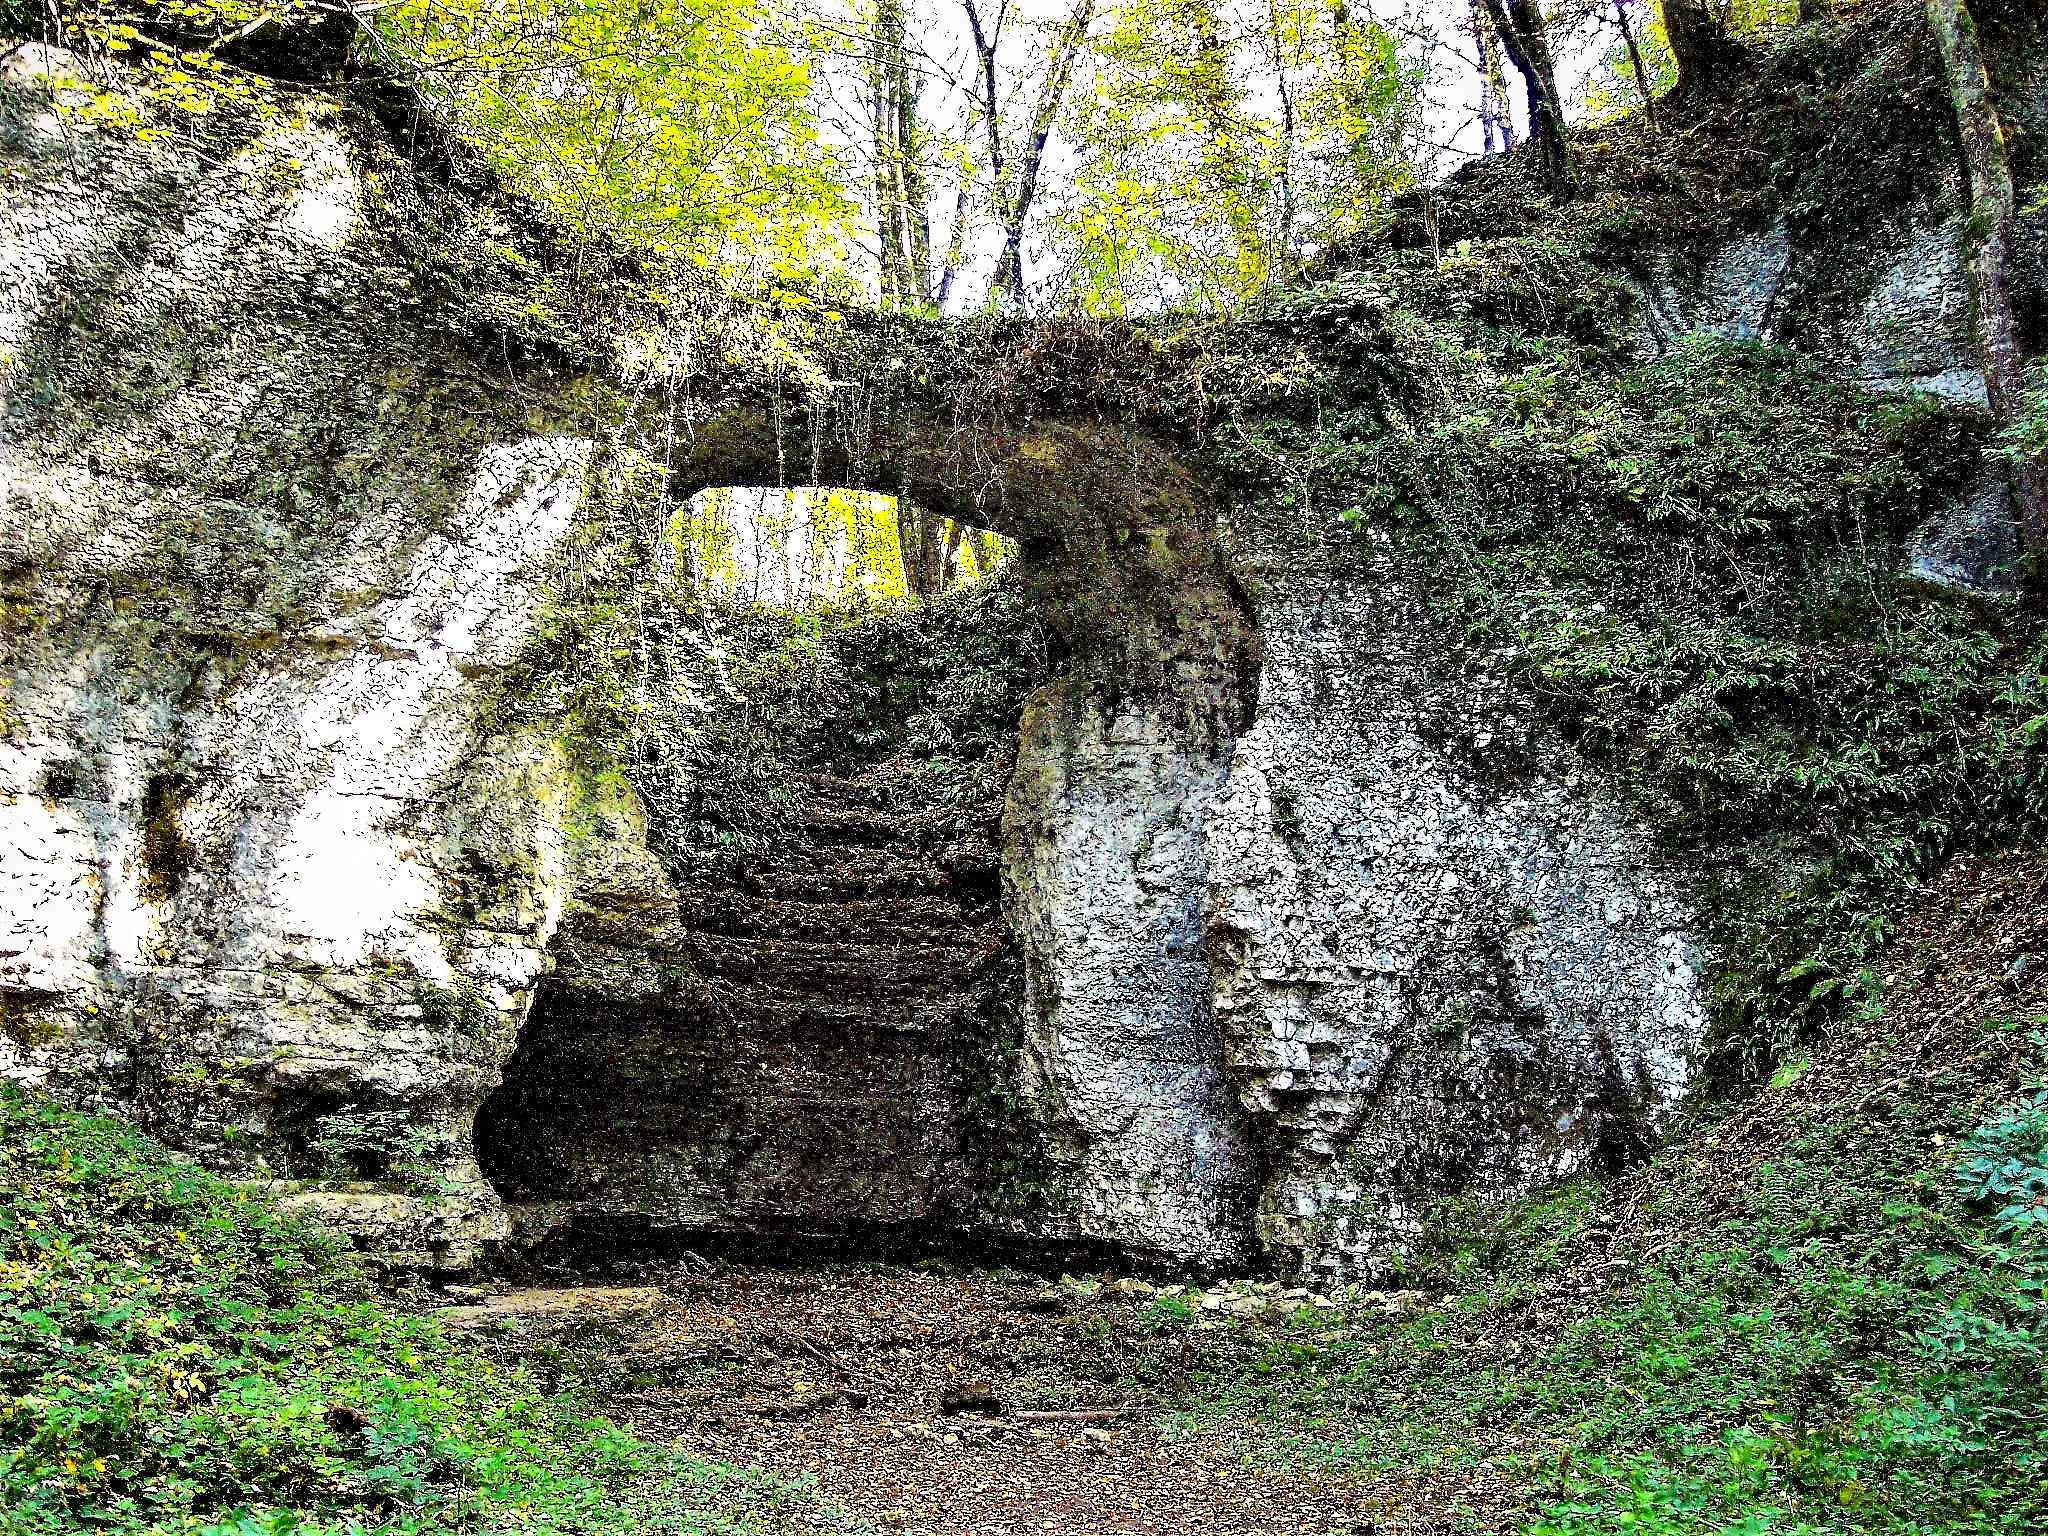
<point>942,1401</point>
<point>1822,1307</point>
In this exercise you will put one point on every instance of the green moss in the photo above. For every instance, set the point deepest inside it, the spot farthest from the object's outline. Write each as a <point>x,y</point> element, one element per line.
<point>175,1355</point>
<point>25,1021</point>
<point>460,1008</point>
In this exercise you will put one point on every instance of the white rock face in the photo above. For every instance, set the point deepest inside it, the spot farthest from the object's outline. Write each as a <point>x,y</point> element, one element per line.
<point>244,780</point>
<point>1106,849</point>
<point>1732,294</point>
<point>313,799</point>
<point>1442,960</point>
<point>1915,330</point>
<point>1389,942</point>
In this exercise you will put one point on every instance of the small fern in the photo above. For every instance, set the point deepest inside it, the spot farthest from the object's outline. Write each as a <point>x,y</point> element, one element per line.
<point>2006,1160</point>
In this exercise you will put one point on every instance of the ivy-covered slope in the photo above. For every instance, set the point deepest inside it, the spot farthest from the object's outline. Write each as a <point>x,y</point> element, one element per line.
<point>175,1355</point>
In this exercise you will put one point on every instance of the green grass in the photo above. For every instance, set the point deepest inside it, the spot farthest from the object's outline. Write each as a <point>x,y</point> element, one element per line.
<point>175,1355</point>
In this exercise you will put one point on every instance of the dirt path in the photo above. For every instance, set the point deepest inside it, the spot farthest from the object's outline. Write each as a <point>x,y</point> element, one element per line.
<point>845,1377</point>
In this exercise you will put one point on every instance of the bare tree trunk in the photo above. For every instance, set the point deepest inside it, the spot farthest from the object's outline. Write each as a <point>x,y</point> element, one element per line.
<point>1699,42</point>
<point>1497,84</point>
<point>956,247</point>
<point>1519,25</point>
<point>885,45</point>
<point>1210,87</point>
<point>914,538</point>
<point>930,535</point>
<point>1494,117</point>
<point>885,205</point>
<point>985,43</point>
<point>1991,233</point>
<point>913,190</point>
<point>1635,59</point>
<point>1286,176</point>
<point>1059,71</point>
<point>949,557</point>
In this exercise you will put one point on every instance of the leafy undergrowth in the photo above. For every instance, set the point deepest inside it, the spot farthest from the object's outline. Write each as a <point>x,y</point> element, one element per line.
<point>1824,1310</point>
<point>177,1356</point>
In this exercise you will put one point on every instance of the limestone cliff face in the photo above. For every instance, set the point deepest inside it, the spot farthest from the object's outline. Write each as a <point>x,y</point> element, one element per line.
<point>1291,918</point>
<point>1443,957</point>
<point>1107,868</point>
<point>1904,324</point>
<point>1106,854</point>
<point>270,542</point>
<point>1319,923</point>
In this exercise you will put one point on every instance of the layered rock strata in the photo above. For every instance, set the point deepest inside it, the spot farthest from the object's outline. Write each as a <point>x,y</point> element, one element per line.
<point>787,1045</point>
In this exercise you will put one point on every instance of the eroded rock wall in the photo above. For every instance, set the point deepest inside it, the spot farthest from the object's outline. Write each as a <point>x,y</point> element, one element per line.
<point>1296,918</point>
<point>1292,943</point>
<point>1107,868</point>
<point>1320,923</point>
<point>801,1041</point>
<point>264,881</point>
<point>1445,959</point>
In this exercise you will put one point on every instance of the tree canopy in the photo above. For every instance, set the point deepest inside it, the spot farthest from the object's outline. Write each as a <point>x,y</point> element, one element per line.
<point>1105,156</point>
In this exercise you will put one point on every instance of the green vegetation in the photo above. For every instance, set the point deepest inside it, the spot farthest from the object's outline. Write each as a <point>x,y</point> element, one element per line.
<point>1694,566</point>
<point>175,1355</point>
<point>680,132</point>
<point>1823,1309</point>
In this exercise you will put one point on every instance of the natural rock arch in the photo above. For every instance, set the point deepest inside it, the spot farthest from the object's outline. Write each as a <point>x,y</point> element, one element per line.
<point>1241,932</point>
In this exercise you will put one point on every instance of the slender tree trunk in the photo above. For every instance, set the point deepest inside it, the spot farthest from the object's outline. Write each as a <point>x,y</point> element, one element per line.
<point>1496,80</point>
<point>906,544</point>
<point>913,189</point>
<point>1059,71</point>
<point>956,246</point>
<point>1496,132</point>
<point>1519,25</point>
<point>885,49</point>
<point>1635,59</point>
<point>1211,88</point>
<point>1991,233</point>
<point>985,42</point>
<point>983,544</point>
<point>949,557</point>
<point>930,547</point>
<point>1286,173</point>
<point>917,535</point>
<point>1699,43</point>
<point>902,192</point>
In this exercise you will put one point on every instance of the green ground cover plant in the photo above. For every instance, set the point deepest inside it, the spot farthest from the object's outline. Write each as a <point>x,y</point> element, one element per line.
<point>178,1355</point>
